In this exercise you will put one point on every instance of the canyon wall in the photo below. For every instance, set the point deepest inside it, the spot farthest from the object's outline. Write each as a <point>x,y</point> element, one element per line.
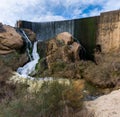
<point>103,30</point>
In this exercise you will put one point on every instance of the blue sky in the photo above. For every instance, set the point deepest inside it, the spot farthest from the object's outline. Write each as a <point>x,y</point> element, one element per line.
<point>52,10</point>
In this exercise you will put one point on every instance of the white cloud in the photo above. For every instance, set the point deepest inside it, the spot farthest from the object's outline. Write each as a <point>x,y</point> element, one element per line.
<point>48,18</point>
<point>47,10</point>
<point>112,5</point>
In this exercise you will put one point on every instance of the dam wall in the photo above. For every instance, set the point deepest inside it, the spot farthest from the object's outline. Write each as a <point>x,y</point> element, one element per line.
<point>47,30</point>
<point>86,31</point>
<point>80,29</point>
<point>109,31</point>
<point>103,30</point>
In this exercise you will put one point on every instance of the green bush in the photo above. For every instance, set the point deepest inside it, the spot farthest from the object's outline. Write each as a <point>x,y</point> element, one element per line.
<point>52,100</point>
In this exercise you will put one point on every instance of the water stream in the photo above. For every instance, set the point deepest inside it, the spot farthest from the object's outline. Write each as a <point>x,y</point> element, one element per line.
<point>28,68</point>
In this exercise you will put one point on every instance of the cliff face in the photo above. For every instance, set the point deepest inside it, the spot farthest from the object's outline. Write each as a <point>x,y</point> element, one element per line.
<point>10,40</point>
<point>12,50</point>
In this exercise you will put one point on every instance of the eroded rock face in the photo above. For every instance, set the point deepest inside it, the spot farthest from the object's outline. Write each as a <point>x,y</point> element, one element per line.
<point>62,48</point>
<point>10,40</point>
<point>65,37</point>
<point>59,52</point>
<point>11,57</point>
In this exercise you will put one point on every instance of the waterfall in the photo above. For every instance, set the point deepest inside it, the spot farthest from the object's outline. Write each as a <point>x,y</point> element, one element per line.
<point>50,28</point>
<point>28,68</point>
<point>28,43</point>
<point>27,40</point>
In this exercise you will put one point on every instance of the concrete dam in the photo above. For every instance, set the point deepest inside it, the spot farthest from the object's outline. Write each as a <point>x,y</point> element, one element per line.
<point>103,30</point>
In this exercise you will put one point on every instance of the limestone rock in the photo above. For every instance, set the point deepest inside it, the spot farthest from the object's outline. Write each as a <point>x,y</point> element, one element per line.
<point>60,53</point>
<point>76,49</point>
<point>104,106</point>
<point>10,40</point>
<point>65,37</point>
<point>57,50</point>
<point>10,59</point>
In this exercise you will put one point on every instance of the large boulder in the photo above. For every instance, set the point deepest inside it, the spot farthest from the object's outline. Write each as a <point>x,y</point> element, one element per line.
<point>65,37</point>
<point>10,40</point>
<point>62,48</point>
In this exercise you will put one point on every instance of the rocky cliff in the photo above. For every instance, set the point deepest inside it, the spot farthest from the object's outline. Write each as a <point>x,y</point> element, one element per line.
<point>10,40</point>
<point>59,57</point>
<point>12,50</point>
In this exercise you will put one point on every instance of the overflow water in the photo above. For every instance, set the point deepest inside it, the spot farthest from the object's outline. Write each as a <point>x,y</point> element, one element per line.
<point>28,68</point>
<point>28,43</point>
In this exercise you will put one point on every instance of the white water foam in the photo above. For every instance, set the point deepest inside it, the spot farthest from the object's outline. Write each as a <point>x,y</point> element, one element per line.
<point>30,66</point>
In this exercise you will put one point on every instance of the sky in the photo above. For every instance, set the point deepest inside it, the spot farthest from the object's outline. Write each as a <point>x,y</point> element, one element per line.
<point>52,10</point>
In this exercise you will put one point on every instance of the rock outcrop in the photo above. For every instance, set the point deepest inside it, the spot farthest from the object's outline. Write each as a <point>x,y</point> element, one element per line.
<point>62,48</point>
<point>104,106</point>
<point>106,74</point>
<point>31,35</point>
<point>10,40</point>
<point>60,53</point>
<point>11,47</point>
<point>65,37</point>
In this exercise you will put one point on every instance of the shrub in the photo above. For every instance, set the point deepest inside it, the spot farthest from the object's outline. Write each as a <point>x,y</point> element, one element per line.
<point>53,99</point>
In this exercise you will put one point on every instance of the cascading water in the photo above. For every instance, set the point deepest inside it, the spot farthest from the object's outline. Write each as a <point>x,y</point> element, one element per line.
<point>30,66</point>
<point>28,43</point>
